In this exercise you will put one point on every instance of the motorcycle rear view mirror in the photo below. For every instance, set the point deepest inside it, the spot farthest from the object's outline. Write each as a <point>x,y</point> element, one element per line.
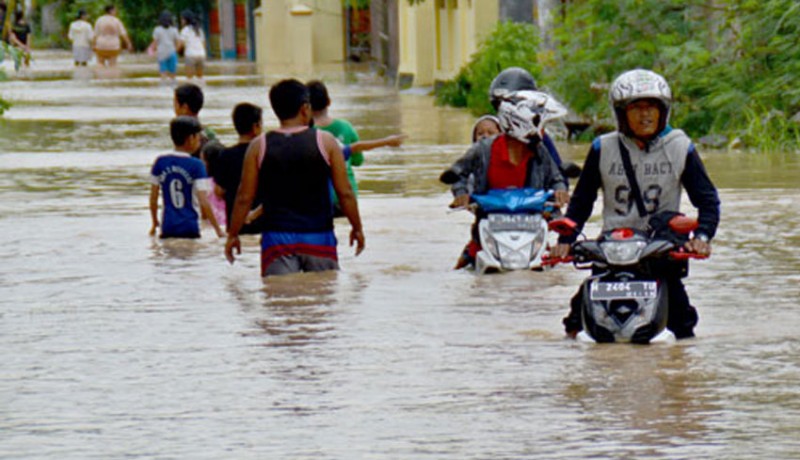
<point>563,226</point>
<point>449,177</point>
<point>683,225</point>
<point>570,170</point>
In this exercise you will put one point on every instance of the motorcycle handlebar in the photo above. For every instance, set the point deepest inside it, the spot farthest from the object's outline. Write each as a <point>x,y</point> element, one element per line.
<point>548,261</point>
<point>683,255</point>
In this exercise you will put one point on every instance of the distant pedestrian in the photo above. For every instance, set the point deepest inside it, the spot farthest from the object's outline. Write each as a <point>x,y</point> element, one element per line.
<point>3,10</point>
<point>109,37</point>
<point>166,42</point>
<point>194,45</point>
<point>20,36</point>
<point>183,183</point>
<point>81,35</point>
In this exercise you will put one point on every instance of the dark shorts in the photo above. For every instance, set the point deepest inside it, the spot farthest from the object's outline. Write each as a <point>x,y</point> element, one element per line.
<point>297,263</point>
<point>292,252</point>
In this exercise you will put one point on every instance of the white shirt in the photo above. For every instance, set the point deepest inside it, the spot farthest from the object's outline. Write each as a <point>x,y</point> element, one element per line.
<point>81,33</point>
<point>194,42</point>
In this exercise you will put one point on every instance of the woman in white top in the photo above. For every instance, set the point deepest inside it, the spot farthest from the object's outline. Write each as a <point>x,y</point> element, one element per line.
<point>194,44</point>
<point>81,35</point>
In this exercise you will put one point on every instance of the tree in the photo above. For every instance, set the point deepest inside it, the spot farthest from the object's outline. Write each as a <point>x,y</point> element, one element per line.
<point>510,44</point>
<point>730,62</point>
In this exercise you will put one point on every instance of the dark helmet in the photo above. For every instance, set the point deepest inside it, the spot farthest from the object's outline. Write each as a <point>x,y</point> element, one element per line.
<point>510,80</point>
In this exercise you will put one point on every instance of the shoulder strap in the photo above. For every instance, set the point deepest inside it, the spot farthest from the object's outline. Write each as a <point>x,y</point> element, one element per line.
<point>635,190</point>
<point>263,149</point>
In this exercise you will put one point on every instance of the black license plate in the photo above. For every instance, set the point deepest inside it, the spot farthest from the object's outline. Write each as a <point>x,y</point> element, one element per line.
<point>611,290</point>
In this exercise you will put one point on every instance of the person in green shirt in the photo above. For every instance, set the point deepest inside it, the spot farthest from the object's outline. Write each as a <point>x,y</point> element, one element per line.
<point>341,129</point>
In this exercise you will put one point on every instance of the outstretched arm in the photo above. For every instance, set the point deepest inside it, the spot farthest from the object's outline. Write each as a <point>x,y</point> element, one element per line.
<point>395,140</point>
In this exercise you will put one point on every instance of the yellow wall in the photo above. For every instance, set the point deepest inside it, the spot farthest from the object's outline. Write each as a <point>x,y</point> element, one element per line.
<point>417,33</point>
<point>438,37</point>
<point>282,43</point>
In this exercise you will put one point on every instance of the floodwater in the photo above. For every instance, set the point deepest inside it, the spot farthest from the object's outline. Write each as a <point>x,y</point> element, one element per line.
<point>117,345</point>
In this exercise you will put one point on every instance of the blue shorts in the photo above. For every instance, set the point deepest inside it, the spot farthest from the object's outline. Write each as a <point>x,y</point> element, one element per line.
<point>169,65</point>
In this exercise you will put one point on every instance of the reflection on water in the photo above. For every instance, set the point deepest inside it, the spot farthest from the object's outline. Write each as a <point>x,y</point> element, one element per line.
<point>655,394</point>
<point>116,344</point>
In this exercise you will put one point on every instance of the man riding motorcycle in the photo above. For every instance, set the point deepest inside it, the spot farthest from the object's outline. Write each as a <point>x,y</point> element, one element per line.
<point>641,168</point>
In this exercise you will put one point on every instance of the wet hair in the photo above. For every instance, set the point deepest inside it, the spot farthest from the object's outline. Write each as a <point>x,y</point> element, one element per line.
<point>319,95</point>
<point>180,128</point>
<point>110,8</point>
<point>245,115</point>
<point>191,19</point>
<point>191,95</point>
<point>210,153</point>
<point>287,98</point>
<point>165,19</point>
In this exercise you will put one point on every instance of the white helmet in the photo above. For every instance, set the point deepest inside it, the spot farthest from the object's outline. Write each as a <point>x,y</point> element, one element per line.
<point>523,114</point>
<point>639,84</point>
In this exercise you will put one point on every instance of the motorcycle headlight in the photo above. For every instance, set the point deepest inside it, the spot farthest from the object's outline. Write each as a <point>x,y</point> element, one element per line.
<point>489,244</point>
<point>622,252</point>
<point>538,242</point>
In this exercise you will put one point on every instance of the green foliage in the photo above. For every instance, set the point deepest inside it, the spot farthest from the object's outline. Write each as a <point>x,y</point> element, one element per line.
<point>509,44</point>
<point>770,130</point>
<point>726,60</point>
<point>4,105</point>
<point>6,50</point>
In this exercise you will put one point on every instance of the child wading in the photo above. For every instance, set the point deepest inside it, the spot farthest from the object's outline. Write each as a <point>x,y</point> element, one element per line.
<point>183,183</point>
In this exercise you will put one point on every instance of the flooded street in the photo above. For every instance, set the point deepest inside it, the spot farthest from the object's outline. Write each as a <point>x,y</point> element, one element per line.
<point>114,344</point>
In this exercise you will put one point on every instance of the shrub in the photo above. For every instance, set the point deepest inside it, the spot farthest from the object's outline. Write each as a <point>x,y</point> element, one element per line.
<point>510,44</point>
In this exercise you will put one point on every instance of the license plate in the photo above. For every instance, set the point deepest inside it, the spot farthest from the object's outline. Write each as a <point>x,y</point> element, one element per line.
<point>514,222</point>
<point>611,290</point>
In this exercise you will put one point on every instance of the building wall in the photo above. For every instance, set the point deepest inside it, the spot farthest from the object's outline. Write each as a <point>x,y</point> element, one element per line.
<point>279,46</point>
<point>438,37</point>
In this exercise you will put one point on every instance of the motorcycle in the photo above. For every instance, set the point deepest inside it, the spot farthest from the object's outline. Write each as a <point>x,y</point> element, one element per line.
<point>513,229</point>
<point>625,299</point>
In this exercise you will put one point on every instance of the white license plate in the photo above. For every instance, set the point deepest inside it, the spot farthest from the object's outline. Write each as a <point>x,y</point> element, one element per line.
<point>514,222</point>
<point>612,290</point>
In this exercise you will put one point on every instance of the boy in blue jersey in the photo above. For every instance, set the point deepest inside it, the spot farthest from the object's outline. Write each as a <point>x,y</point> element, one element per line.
<point>183,183</point>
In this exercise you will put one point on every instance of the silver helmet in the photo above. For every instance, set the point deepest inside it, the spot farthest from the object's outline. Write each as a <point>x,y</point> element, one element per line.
<point>639,84</point>
<point>524,114</point>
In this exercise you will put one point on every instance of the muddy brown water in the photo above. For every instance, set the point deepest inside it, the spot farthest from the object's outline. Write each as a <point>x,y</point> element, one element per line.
<point>117,345</point>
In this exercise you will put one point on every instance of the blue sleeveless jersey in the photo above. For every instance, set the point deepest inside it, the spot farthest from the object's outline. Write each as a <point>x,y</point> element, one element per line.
<point>178,175</point>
